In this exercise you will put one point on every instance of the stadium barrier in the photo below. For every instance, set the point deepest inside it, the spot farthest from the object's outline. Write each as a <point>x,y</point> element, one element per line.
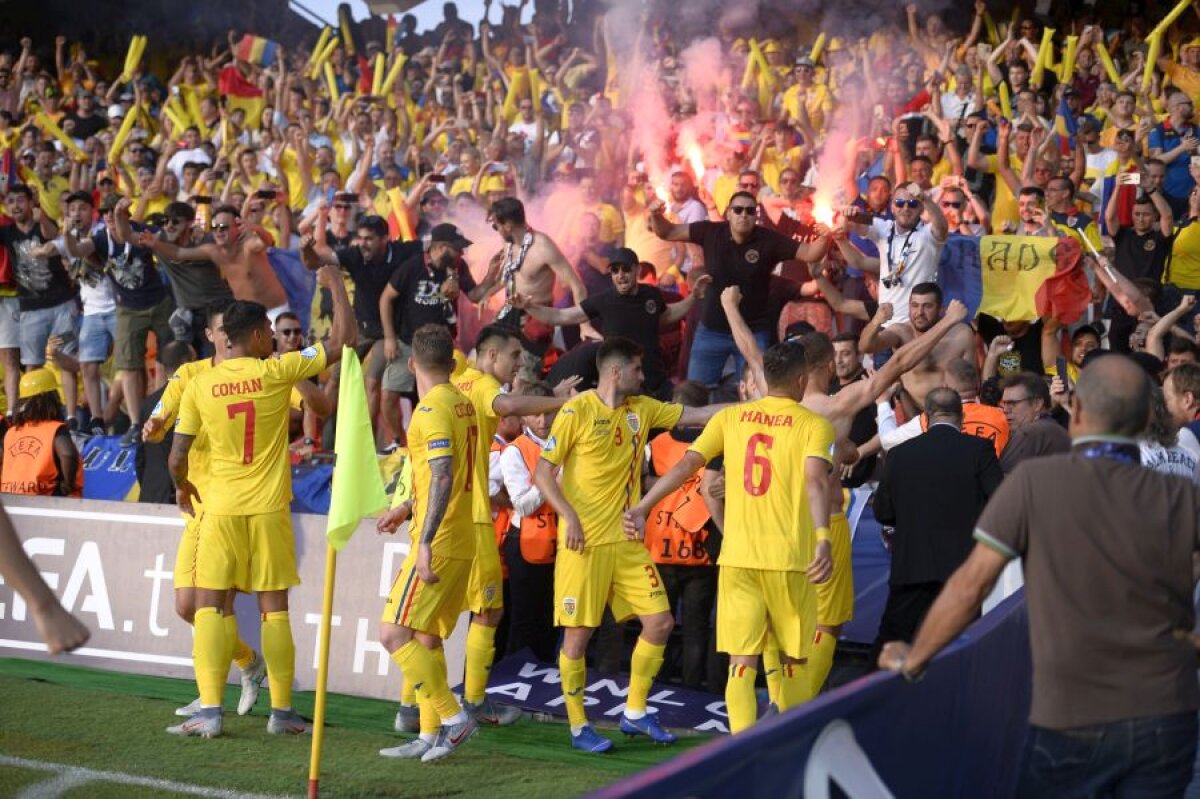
<point>957,732</point>
<point>112,563</point>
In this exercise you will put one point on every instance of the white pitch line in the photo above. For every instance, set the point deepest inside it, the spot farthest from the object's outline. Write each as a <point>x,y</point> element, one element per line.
<point>72,776</point>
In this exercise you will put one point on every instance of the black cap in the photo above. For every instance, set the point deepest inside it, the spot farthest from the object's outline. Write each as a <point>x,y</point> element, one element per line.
<point>449,234</point>
<point>623,255</point>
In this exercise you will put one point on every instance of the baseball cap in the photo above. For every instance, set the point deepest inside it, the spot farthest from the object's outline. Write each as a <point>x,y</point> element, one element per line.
<point>432,194</point>
<point>449,234</point>
<point>623,256</point>
<point>805,61</point>
<point>1193,42</point>
<point>115,111</point>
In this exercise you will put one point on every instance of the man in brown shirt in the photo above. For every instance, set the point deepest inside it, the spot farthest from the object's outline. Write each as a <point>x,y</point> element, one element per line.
<point>1107,549</point>
<point>1026,405</point>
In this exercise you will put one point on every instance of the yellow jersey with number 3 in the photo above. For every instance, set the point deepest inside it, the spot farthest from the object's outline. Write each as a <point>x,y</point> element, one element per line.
<point>242,404</point>
<point>481,389</point>
<point>766,444</point>
<point>600,450</point>
<point>444,425</point>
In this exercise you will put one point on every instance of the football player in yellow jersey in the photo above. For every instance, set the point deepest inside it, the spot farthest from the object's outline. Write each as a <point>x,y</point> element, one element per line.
<point>835,598</point>
<point>429,592</point>
<point>246,539</point>
<point>252,666</point>
<point>497,358</point>
<point>597,443</point>
<point>776,542</point>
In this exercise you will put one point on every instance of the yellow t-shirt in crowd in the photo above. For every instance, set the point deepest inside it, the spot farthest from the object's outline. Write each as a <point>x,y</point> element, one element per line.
<point>1183,269</point>
<point>1004,206</point>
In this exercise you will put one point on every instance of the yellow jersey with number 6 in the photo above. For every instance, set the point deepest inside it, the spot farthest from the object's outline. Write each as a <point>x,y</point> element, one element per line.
<point>767,444</point>
<point>242,405</point>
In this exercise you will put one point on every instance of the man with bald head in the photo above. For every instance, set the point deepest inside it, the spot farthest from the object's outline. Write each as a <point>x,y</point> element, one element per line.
<point>1107,548</point>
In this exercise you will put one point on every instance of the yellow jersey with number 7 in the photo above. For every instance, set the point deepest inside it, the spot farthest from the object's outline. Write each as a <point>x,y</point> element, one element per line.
<point>242,405</point>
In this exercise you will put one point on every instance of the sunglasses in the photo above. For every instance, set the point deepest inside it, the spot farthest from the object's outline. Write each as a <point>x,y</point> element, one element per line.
<point>168,222</point>
<point>743,209</point>
<point>616,269</point>
<point>952,204</point>
<point>220,227</point>
<point>343,206</point>
<point>907,203</point>
<point>290,331</point>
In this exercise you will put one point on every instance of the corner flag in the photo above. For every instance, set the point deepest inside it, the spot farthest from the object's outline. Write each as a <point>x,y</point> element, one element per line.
<point>357,486</point>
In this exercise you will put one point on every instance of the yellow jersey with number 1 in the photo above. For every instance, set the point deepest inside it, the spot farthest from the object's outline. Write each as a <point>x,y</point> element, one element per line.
<point>242,404</point>
<point>481,389</point>
<point>767,444</point>
<point>600,450</point>
<point>444,425</point>
<point>167,409</point>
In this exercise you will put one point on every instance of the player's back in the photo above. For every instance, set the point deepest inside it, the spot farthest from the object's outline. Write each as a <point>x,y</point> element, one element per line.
<point>242,405</point>
<point>767,444</point>
<point>481,390</point>
<point>444,422</point>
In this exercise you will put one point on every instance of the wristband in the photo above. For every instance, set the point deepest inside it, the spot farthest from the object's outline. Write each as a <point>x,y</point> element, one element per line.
<point>823,534</point>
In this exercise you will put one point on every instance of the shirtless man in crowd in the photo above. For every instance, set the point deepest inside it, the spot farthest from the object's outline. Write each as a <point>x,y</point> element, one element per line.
<point>529,264</point>
<point>924,311</point>
<point>241,255</point>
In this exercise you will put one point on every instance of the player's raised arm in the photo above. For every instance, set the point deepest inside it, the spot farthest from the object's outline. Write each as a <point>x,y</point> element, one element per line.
<point>743,337</point>
<point>344,330</point>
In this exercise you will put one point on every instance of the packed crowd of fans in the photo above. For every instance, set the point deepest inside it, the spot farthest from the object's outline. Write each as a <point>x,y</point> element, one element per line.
<point>700,196</point>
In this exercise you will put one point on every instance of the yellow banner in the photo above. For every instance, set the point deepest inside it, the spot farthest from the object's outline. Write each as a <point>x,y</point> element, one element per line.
<point>1013,269</point>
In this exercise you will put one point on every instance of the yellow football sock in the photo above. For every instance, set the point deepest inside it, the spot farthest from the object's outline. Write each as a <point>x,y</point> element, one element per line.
<point>421,668</point>
<point>574,676</point>
<point>210,653</point>
<point>793,685</point>
<point>643,668</point>
<point>740,701</point>
<point>481,649</point>
<point>241,653</point>
<point>279,651</point>
<point>408,694</point>
<point>820,661</point>
<point>431,722</point>
<point>770,663</point>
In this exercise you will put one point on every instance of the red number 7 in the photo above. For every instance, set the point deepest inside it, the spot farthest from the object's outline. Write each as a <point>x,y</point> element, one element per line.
<point>247,408</point>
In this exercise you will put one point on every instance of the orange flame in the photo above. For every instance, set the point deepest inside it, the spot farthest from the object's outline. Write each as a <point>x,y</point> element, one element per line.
<point>695,157</point>
<point>823,212</point>
<point>660,191</point>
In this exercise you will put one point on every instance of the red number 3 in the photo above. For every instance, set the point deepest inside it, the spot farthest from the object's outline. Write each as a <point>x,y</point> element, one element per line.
<point>618,438</point>
<point>756,488</point>
<point>652,573</point>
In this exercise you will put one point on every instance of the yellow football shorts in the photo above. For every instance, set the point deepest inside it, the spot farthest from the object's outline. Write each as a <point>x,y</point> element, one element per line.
<point>620,575</point>
<point>752,601</point>
<point>249,553</point>
<point>485,589</point>
<point>835,596</point>
<point>430,608</point>
<point>185,555</point>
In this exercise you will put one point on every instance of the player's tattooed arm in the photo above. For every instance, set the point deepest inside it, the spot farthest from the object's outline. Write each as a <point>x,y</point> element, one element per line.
<point>177,464</point>
<point>440,486</point>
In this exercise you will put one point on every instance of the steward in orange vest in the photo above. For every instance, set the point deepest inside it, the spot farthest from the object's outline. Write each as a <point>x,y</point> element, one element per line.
<point>39,456</point>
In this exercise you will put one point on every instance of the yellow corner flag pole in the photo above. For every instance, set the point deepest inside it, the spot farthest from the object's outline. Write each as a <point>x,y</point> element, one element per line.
<point>357,491</point>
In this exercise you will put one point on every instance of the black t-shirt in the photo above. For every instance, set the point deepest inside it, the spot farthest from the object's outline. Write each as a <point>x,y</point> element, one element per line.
<point>42,281</point>
<point>419,281</point>
<point>747,265</point>
<point>1141,255</point>
<point>862,429</point>
<point>370,278</point>
<point>195,284</point>
<point>86,127</point>
<point>132,271</point>
<point>1028,347</point>
<point>579,361</point>
<point>634,316</point>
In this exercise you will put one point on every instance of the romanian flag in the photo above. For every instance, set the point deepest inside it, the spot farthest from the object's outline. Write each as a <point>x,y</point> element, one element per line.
<point>256,50</point>
<point>240,93</point>
<point>1124,196</point>
<point>399,227</point>
<point>1065,123</point>
<point>8,171</point>
<point>1065,294</point>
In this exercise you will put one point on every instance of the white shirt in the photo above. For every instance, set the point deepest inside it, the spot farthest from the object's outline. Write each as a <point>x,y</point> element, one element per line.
<point>916,250</point>
<point>955,108</point>
<point>522,493</point>
<point>1176,460</point>
<point>182,157</point>
<point>97,299</point>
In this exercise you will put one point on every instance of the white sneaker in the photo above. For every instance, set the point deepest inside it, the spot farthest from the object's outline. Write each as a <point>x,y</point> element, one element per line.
<point>190,709</point>
<point>450,738</point>
<point>205,723</point>
<point>410,751</point>
<point>252,678</point>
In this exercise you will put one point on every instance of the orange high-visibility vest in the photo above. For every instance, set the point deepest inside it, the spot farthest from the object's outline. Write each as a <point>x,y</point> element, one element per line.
<point>29,465</point>
<point>981,421</point>
<point>539,530</point>
<point>675,529</point>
